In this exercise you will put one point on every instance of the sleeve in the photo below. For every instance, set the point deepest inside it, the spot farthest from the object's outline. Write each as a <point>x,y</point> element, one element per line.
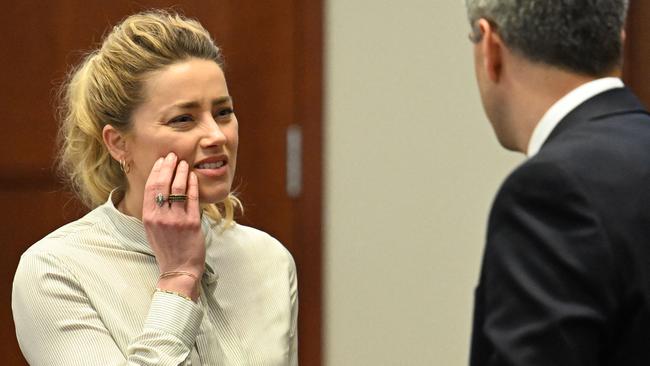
<point>293,295</point>
<point>547,286</point>
<point>56,323</point>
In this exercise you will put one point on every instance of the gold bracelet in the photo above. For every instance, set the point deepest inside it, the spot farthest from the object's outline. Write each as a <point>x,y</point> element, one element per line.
<point>174,293</point>
<point>177,273</point>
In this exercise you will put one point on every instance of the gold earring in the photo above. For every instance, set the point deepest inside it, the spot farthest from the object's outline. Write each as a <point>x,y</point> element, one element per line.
<point>124,166</point>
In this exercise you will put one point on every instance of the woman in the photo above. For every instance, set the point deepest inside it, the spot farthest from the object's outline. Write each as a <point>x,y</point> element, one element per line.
<point>158,273</point>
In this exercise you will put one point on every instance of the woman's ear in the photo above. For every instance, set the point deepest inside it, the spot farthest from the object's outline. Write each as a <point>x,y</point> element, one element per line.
<point>115,141</point>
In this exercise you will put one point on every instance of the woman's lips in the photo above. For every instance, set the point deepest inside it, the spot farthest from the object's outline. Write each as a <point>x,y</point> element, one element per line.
<point>213,167</point>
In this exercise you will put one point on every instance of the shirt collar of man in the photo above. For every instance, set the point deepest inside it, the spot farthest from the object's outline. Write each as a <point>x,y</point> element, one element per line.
<point>563,106</point>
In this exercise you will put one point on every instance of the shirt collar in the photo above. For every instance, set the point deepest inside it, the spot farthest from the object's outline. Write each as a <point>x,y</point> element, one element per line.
<point>563,106</point>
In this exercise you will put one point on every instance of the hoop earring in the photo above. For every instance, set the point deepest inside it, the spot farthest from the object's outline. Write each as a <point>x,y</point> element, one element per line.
<point>124,166</point>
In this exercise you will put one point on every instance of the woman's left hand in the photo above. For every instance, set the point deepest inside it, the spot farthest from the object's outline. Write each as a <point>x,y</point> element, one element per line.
<point>174,229</point>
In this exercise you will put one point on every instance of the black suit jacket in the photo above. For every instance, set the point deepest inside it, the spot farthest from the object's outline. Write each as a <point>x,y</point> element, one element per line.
<point>565,278</point>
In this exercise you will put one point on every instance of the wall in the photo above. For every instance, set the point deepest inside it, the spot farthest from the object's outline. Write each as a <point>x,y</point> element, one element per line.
<point>411,167</point>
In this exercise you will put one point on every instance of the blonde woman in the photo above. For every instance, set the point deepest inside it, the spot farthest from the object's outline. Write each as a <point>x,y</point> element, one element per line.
<point>158,273</point>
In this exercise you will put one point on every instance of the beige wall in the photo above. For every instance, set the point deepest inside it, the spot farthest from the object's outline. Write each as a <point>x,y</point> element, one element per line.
<point>411,169</point>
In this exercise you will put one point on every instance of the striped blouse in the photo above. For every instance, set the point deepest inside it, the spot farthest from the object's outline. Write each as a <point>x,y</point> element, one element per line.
<point>85,295</point>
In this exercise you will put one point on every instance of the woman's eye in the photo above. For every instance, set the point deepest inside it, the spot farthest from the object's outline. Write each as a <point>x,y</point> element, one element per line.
<point>225,112</point>
<point>181,119</point>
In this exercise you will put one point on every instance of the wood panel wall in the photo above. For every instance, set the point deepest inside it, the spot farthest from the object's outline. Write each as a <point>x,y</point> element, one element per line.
<point>636,72</point>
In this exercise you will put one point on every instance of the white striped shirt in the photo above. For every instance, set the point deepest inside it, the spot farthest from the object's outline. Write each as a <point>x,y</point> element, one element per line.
<point>85,295</point>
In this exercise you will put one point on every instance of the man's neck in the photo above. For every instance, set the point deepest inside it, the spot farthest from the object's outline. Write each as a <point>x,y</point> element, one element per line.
<point>535,88</point>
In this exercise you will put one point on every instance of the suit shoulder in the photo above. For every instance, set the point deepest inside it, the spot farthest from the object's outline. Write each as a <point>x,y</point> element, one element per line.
<point>617,139</point>
<point>602,154</point>
<point>547,173</point>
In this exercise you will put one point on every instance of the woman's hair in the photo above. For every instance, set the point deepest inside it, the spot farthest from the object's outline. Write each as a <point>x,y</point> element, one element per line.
<point>107,86</point>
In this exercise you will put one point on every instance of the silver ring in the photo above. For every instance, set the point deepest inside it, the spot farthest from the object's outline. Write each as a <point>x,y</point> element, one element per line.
<point>160,199</point>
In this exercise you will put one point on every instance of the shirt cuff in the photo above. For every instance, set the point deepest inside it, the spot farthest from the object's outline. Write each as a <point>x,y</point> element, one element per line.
<point>174,315</point>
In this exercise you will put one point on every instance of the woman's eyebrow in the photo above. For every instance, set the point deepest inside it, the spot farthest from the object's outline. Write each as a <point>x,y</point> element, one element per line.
<point>222,100</point>
<point>195,104</point>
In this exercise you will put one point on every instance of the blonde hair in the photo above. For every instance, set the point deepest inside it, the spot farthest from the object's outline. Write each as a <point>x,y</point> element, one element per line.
<point>107,86</point>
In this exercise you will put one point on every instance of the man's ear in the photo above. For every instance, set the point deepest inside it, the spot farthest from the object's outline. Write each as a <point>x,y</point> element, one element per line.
<point>492,47</point>
<point>115,141</point>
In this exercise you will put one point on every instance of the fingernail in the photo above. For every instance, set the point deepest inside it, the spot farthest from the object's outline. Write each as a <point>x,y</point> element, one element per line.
<point>170,156</point>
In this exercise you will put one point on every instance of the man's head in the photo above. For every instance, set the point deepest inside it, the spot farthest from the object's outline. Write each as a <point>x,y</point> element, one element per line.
<point>581,36</point>
<point>529,53</point>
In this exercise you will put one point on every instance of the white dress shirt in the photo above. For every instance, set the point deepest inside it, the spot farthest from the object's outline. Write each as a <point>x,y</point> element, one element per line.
<point>85,295</point>
<point>564,106</point>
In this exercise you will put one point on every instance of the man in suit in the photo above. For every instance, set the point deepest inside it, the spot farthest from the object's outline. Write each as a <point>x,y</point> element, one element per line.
<point>565,278</point>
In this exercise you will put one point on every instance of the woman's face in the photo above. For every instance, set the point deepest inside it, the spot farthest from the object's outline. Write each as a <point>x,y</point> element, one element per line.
<point>188,111</point>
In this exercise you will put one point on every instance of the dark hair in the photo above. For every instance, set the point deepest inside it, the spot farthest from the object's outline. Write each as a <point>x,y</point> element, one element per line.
<point>582,36</point>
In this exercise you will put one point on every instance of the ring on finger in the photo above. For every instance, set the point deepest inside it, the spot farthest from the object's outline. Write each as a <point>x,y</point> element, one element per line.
<point>160,199</point>
<point>176,198</point>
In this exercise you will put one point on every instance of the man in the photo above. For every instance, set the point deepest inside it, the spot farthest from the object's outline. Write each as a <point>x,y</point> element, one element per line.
<point>565,277</point>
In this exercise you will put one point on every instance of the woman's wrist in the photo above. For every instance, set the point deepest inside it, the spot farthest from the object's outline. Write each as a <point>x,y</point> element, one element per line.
<point>184,284</point>
<point>168,274</point>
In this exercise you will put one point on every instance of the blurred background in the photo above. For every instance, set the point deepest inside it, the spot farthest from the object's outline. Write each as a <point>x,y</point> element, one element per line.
<point>363,148</point>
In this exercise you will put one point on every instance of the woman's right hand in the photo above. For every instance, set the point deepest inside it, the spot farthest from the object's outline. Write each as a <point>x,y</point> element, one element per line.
<point>174,230</point>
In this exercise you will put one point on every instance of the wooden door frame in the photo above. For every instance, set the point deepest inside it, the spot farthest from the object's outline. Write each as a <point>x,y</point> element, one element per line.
<point>637,50</point>
<point>308,231</point>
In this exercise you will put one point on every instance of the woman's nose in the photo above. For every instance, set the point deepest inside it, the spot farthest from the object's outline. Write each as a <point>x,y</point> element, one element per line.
<point>213,135</point>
